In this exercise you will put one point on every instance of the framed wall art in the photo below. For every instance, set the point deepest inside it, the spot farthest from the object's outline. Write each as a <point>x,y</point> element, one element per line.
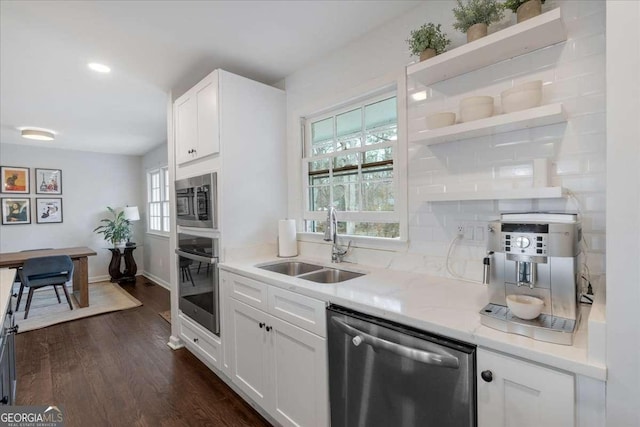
<point>15,180</point>
<point>16,211</point>
<point>48,210</point>
<point>48,181</point>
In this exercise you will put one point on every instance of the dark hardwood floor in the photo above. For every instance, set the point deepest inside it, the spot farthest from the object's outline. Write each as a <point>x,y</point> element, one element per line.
<point>116,369</point>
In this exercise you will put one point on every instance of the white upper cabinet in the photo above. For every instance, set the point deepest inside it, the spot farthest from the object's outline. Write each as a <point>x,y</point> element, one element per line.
<point>197,121</point>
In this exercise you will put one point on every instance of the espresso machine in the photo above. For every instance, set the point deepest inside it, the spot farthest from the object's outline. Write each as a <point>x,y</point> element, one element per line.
<point>534,254</point>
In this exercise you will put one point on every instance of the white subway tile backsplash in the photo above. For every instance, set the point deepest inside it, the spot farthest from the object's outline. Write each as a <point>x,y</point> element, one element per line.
<point>574,74</point>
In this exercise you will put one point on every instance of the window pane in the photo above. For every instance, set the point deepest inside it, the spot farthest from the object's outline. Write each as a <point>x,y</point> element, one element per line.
<point>345,161</point>
<point>381,113</point>
<point>155,180</point>
<point>372,229</point>
<point>377,196</point>
<point>385,134</point>
<point>319,165</point>
<point>166,225</point>
<point>322,131</point>
<point>155,195</point>
<point>348,123</point>
<point>322,149</point>
<point>348,142</point>
<point>384,172</point>
<point>380,155</point>
<point>319,198</point>
<point>346,196</point>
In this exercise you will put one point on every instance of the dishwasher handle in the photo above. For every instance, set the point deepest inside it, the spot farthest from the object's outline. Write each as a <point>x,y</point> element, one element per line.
<point>427,357</point>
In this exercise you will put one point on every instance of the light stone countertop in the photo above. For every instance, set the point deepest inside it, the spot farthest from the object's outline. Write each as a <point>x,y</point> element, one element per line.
<point>7,276</point>
<point>434,304</point>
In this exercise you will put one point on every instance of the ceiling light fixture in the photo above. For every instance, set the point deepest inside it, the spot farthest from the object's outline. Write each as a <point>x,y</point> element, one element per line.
<point>38,134</point>
<point>100,68</point>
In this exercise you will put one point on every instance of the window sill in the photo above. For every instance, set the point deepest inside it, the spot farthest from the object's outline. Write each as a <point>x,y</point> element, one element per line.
<point>158,234</point>
<point>359,241</point>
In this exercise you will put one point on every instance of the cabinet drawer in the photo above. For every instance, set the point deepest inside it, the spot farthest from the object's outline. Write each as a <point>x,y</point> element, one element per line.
<point>300,310</point>
<point>204,342</point>
<point>247,290</point>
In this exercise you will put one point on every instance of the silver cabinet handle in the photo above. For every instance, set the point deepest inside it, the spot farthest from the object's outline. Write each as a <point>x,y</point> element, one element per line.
<point>429,358</point>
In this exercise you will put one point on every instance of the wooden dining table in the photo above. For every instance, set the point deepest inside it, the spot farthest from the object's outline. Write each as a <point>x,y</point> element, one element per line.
<point>78,255</point>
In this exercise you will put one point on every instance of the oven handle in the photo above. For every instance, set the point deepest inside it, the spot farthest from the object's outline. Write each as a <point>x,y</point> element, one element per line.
<point>429,358</point>
<point>199,258</point>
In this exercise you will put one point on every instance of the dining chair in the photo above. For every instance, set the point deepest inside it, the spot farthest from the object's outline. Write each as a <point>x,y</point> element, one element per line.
<point>17,279</point>
<point>39,272</point>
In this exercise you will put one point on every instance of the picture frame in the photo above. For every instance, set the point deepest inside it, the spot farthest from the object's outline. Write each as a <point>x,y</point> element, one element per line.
<point>15,210</point>
<point>14,179</point>
<point>48,181</point>
<point>48,210</point>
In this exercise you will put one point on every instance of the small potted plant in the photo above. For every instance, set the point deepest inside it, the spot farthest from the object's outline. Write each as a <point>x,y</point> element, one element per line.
<point>474,16</point>
<point>115,230</point>
<point>427,41</point>
<point>524,9</point>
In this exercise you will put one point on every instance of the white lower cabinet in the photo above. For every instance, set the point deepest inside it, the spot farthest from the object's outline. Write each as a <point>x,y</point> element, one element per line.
<point>200,341</point>
<point>280,366</point>
<point>515,393</point>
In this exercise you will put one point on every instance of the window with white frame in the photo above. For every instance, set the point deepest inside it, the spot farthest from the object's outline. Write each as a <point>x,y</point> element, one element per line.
<point>349,163</point>
<point>158,199</point>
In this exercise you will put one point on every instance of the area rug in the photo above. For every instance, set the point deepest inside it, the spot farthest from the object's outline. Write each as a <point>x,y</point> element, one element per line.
<point>45,310</point>
<point>166,315</point>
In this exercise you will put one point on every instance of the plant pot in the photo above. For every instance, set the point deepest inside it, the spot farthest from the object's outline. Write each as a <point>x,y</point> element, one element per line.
<point>476,31</point>
<point>528,10</point>
<point>427,53</point>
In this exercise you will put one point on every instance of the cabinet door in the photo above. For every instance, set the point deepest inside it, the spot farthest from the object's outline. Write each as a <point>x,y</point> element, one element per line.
<point>249,351</point>
<point>206,95</point>
<point>186,127</point>
<point>521,394</point>
<point>299,375</point>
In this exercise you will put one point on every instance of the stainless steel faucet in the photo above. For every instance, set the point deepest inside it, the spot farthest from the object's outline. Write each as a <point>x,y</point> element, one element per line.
<point>331,235</point>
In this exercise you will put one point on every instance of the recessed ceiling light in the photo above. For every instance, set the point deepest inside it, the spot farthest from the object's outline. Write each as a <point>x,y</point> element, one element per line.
<point>38,134</point>
<point>100,68</point>
<point>419,96</point>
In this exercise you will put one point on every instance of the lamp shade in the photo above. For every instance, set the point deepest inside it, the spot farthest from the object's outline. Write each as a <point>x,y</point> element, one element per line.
<point>131,213</point>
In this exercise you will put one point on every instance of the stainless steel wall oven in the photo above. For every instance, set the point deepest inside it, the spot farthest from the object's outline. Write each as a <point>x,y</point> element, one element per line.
<point>196,201</point>
<point>198,287</point>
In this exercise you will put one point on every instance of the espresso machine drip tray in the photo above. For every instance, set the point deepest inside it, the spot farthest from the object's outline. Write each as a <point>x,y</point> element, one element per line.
<point>545,327</point>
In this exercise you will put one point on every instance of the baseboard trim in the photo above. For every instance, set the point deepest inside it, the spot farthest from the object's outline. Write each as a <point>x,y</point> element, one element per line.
<point>157,280</point>
<point>175,343</point>
<point>103,278</point>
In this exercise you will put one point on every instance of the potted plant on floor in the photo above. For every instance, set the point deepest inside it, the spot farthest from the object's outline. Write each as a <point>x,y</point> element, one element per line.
<point>474,16</point>
<point>427,41</point>
<point>116,229</point>
<point>524,9</point>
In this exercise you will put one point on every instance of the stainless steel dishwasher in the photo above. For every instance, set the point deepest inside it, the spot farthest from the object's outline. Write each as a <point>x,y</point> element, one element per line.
<point>385,374</point>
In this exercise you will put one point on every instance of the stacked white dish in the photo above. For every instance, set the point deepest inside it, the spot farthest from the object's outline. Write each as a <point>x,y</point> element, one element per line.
<point>525,306</point>
<point>475,108</point>
<point>522,97</point>
<point>440,120</point>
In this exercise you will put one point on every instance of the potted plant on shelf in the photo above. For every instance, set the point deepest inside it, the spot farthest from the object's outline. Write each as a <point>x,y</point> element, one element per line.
<point>427,41</point>
<point>474,16</point>
<point>115,230</point>
<point>524,9</point>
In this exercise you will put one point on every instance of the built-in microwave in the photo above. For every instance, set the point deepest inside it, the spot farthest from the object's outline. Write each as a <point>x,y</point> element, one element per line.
<point>196,201</point>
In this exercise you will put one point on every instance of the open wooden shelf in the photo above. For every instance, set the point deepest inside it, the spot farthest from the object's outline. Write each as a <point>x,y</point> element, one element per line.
<point>520,193</point>
<point>533,117</point>
<point>532,34</point>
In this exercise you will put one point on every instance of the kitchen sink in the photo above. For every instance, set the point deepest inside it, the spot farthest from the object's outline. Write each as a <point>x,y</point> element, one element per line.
<point>291,268</point>
<point>312,272</point>
<point>331,275</point>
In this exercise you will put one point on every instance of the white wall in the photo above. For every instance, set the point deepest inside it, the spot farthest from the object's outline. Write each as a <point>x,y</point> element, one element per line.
<point>90,183</point>
<point>623,220</point>
<point>574,71</point>
<point>156,246</point>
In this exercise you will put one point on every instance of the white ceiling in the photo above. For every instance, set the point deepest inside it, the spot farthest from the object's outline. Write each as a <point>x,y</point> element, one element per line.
<point>152,47</point>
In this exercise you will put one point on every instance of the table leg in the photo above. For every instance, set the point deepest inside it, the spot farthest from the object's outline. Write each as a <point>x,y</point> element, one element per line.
<point>81,281</point>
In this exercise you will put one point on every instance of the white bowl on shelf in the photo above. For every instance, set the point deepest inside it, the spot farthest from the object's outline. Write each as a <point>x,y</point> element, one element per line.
<point>475,108</point>
<point>525,306</point>
<point>522,97</point>
<point>440,120</point>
